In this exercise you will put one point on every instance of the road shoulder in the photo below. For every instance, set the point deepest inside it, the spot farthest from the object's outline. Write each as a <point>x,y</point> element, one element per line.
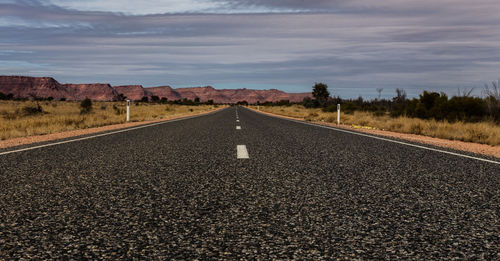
<point>68,134</point>
<point>482,149</point>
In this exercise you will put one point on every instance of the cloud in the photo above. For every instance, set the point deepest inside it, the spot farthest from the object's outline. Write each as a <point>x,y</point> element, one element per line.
<point>354,46</point>
<point>138,7</point>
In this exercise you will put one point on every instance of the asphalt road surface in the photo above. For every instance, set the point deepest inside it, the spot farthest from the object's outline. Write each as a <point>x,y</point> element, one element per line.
<point>273,189</point>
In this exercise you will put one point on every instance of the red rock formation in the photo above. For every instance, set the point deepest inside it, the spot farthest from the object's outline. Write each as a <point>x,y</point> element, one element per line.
<point>164,92</point>
<point>93,91</point>
<point>31,87</point>
<point>203,93</point>
<point>132,92</point>
<point>44,87</point>
<point>235,95</point>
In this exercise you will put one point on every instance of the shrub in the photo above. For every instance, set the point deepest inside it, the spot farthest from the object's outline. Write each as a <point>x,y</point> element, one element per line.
<point>85,106</point>
<point>32,110</point>
<point>4,96</point>
<point>330,108</point>
<point>155,98</point>
<point>349,107</point>
<point>310,103</point>
<point>118,111</point>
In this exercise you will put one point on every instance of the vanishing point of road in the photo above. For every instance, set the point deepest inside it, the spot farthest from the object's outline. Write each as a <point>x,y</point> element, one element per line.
<point>237,184</point>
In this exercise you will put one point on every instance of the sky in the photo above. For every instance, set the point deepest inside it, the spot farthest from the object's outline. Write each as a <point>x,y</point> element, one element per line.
<point>354,46</point>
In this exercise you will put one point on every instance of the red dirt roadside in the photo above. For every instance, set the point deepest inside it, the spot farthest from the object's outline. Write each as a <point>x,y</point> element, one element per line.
<point>61,135</point>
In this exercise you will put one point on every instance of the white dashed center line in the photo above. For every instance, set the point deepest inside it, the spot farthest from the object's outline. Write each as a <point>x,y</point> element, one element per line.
<point>241,152</point>
<point>238,127</point>
<point>237,120</point>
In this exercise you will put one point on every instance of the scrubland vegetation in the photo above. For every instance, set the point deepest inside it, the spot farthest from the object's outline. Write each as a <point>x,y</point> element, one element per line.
<point>27,118</point>
<point>486,132</point>
<point>462,117</point>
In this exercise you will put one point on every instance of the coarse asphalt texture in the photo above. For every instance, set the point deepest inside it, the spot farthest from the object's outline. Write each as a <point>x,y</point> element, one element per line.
<point>178,191</point>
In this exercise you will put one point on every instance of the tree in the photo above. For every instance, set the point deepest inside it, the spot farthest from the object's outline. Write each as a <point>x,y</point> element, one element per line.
<point>398,103</point>
<point>121,97</point>
<point>320,93</point>
<point>400,96</point>
<point>379,90</point>
<point>197,100</point>
<point>145,99</point>
<point>493,99</point>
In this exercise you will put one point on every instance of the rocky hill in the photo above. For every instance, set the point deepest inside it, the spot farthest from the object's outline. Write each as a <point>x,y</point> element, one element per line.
<point>44,87</point>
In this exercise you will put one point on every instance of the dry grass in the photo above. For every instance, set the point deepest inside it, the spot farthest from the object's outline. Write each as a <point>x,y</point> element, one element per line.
<point>481,132</point>
<point>57,116</point>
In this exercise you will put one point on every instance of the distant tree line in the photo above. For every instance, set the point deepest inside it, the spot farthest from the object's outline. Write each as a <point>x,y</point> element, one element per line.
<point>120,97</point>
<point>164,100</point>
<point>429,105</point>
<point>33,97</point>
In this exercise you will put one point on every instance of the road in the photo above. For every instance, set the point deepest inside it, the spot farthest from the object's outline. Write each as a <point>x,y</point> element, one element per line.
<point>185,190</point>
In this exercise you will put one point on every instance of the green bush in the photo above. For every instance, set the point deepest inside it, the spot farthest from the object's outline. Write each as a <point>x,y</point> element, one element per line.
<point>330,108</point>
<point>349,107</point>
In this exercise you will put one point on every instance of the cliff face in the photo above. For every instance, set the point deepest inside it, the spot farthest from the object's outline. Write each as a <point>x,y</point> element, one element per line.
<point>94,91</point>
<point>133,92</point>
<point>30,87</point>
<point>44,87</point>
<point>236,95</point>
<point>164,92</point>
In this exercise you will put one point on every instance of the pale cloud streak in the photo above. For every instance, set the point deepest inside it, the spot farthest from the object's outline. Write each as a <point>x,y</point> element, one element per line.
<point>354,46</point>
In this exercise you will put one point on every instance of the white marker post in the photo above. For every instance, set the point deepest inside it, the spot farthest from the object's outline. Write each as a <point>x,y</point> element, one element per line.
<point>338,114</point>
<point>128,110</point>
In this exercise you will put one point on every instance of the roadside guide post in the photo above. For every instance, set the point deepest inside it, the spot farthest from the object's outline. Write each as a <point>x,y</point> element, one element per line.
<point>338,114</point>
<point>128,110</point>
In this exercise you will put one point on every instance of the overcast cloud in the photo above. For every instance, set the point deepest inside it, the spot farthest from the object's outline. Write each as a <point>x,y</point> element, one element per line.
<point>354,46</point>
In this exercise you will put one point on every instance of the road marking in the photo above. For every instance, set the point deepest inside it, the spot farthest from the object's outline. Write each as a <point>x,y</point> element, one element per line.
<point>238,127</point>
<point>384,139</point>
<point>241,152</point>
<point>237,120</point>
<point>107,133</point>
